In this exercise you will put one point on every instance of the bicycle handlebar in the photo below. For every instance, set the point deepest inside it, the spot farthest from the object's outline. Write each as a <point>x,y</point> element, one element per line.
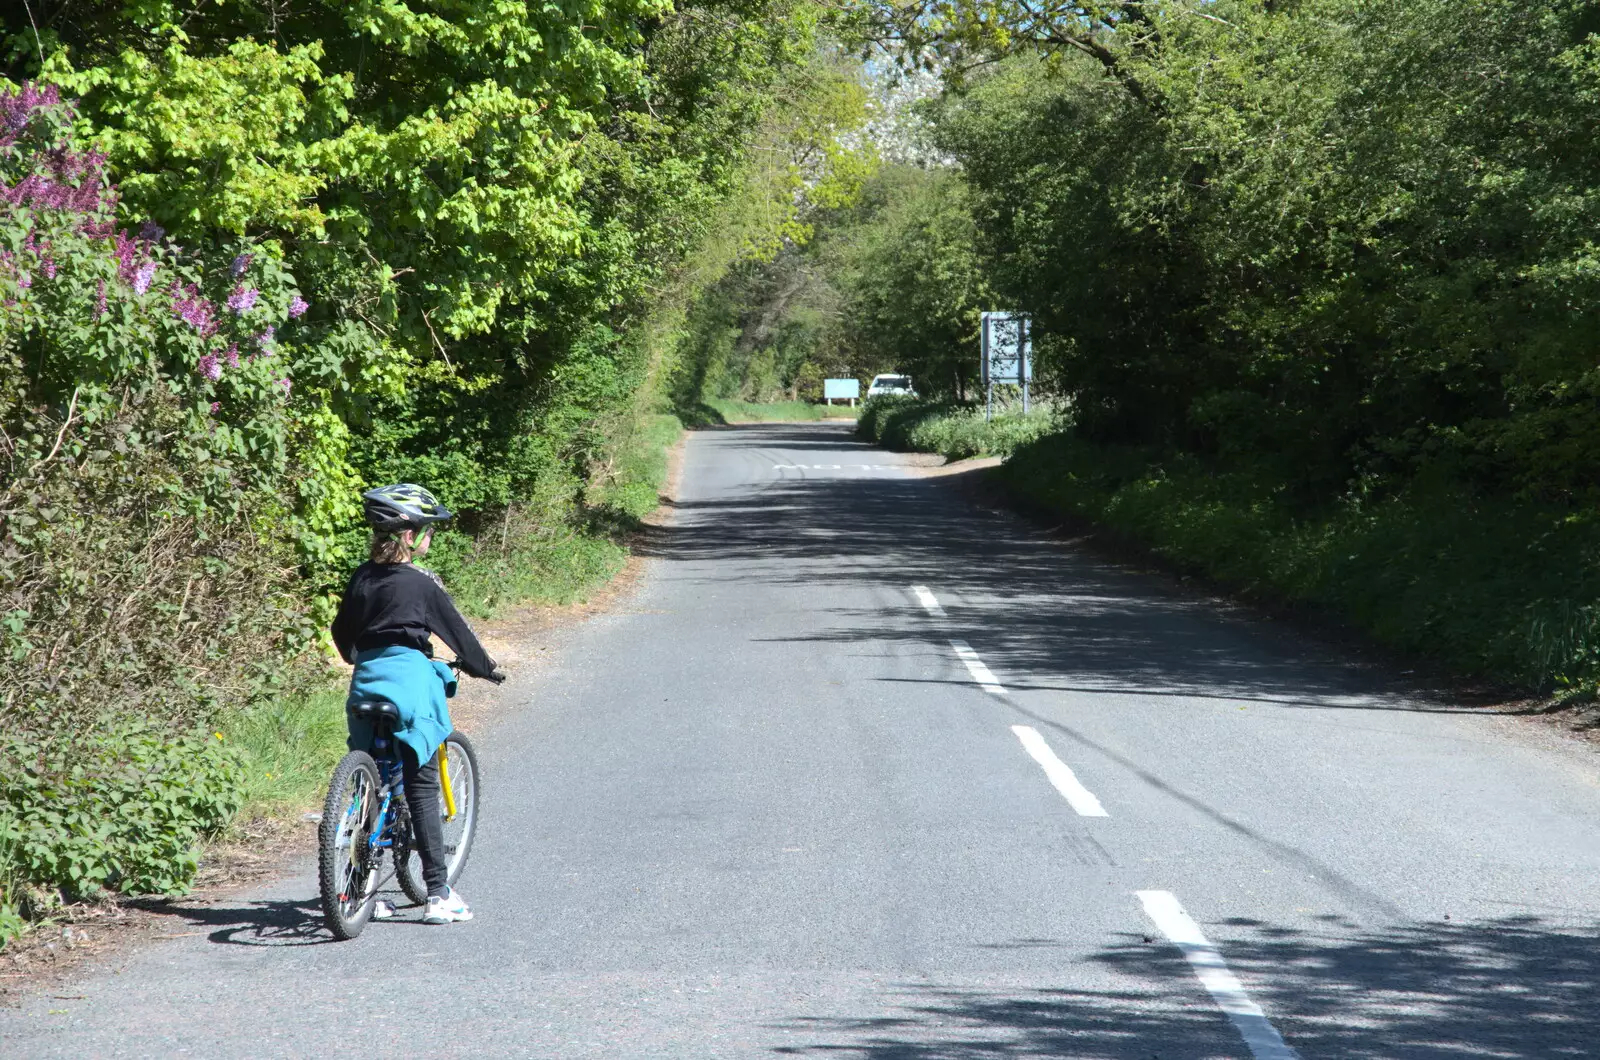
<point>497,675</point>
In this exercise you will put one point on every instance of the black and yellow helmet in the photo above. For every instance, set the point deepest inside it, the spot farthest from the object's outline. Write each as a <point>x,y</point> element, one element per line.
<point>403,506</point>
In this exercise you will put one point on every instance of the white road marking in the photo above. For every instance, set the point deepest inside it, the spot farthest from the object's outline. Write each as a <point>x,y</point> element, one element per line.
<point>1078,797</point>
<point>1258,1033</point>
<point>980,673</point>
<point>928,601</point>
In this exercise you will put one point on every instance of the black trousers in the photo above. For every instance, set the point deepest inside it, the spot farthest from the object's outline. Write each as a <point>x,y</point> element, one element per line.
<point>427,827</point>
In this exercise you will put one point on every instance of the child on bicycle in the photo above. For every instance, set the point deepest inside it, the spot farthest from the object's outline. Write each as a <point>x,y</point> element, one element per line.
<point>389,610</point>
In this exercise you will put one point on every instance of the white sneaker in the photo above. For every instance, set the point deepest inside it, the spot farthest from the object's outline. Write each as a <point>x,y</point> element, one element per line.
<point>447,910</point>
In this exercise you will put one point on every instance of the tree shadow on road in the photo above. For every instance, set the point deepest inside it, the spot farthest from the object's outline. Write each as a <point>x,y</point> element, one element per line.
<point>1047,615</point>
<point>1513,988</point>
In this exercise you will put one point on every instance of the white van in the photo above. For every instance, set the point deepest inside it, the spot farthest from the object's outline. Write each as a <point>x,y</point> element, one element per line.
<point>891,384</point>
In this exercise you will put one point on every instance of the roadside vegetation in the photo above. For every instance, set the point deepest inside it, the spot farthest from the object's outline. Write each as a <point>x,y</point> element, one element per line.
<point>253,266</point>
<point>955,431</point>
<point>1488,586</point>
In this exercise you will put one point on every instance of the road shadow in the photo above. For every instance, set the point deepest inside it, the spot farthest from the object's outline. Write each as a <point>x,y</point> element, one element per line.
<point>263,922</point>
<point>1048,615</point>
<point>1512,988</point>
<point>836,437</point>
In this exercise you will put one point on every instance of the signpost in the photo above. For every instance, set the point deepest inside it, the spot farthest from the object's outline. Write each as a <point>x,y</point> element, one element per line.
<point>1007,355</point>
<point>841,388</point>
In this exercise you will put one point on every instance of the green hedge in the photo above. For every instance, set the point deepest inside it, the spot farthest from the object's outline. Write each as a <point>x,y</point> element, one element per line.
<point>953,430</point>
<point>1488,585</point>
<point>121,807</point>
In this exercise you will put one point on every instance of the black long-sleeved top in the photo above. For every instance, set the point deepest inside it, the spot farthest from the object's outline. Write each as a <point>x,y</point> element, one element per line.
<point>389,604</point>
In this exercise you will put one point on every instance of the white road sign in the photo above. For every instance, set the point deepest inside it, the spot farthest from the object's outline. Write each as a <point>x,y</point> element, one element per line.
<point>1007,349</point>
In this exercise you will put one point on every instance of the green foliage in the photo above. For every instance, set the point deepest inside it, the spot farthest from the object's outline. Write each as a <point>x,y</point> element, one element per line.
<point>123,591</point>
<point>1336,241</point>
<point>120,807</point>
<point>956,432</point>
<point>912,282</point>
<point>628,484</point>
<point>890,281</point>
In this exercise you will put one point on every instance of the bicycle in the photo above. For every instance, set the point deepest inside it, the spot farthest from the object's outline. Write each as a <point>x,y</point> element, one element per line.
<point>365,816</point>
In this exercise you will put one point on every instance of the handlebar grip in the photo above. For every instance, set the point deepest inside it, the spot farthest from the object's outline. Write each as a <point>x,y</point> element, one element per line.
<point>498,677</point>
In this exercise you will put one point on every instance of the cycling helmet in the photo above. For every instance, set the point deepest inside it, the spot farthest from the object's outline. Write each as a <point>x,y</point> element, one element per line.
<point>403,506</point>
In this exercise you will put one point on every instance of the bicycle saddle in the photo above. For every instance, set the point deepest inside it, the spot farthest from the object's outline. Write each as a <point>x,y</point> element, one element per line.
<point>372,710</point>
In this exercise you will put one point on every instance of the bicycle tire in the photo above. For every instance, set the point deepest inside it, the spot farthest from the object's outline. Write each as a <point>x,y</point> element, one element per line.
<point>348,816</point>
<point>466,781</point>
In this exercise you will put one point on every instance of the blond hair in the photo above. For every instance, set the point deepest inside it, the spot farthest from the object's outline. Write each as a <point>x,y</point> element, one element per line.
<point>390,547</point>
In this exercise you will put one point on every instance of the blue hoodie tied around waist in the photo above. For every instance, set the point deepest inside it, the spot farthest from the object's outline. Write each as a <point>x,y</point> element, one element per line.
<point>414,683</point>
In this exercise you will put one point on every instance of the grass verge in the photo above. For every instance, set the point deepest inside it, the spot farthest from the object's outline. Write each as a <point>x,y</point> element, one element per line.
<point>712,413</point>
<point>289,747</point>
<point>1489,586</point>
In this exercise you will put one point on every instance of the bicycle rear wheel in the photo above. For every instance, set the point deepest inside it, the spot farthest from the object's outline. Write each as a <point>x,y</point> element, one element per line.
<point>466,780</point>
<point>346,867</point>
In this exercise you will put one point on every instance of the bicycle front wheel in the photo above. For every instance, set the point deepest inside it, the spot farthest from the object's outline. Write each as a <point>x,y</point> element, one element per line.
<point>346,866</point>
<point>466,780</point>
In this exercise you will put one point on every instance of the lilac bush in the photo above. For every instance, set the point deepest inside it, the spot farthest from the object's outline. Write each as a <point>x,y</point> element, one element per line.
<point>105,311</point>
<point>130,413</point>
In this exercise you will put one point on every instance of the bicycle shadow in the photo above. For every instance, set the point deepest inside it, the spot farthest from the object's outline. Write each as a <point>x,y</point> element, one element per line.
<point>269,922</point>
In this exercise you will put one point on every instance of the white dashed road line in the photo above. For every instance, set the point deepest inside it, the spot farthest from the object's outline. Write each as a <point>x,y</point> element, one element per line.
<point>980,673</point>
<point>1259,1034</point>
<point>927,600</point>
<point>1078,797</point>
<point>1262,1038</point>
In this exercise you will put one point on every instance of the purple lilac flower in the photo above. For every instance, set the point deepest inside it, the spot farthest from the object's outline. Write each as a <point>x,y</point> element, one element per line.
<point>129,258</point>
<point>18,110</point>
<point>142,278</point>
<point>215,405</point>
<point>232,354</point>
<point>151,232</point>
<point>297,306</point>
<point>240,264</point>
<point>242,298</point>
<point>287,386</point>
<point>195,310</point>
<point>267,337</point>
<point>48,267</point>
<point>209,367</point>
<point>100,301</point>
<point>41,192</point>
<point>24,281</point>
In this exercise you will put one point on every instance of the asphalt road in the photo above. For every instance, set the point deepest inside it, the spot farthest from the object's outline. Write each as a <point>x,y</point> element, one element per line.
<point>863,771</point>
